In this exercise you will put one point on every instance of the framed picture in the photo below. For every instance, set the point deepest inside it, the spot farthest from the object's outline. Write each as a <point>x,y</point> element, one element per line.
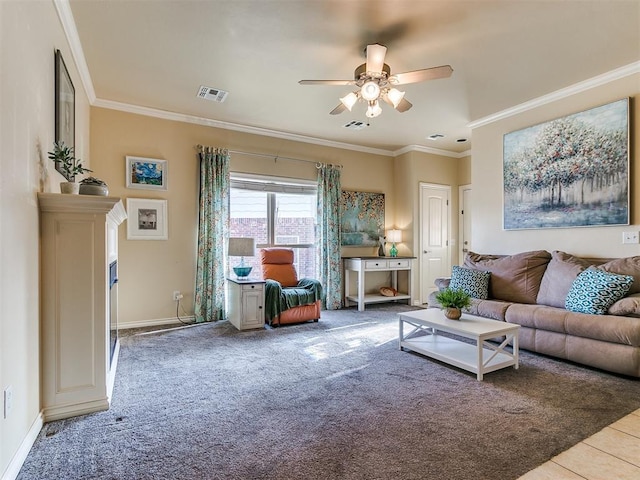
<point>147,219</point>
<point>65,106</point>
<point>146,173</point>
<point>362,216</point>
<point>569,172</point>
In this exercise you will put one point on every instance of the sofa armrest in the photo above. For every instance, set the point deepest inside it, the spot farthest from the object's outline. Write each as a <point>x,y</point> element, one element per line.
<point>442,282</point>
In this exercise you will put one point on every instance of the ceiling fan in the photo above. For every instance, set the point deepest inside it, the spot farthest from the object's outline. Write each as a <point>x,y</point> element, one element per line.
<point>375,82</point>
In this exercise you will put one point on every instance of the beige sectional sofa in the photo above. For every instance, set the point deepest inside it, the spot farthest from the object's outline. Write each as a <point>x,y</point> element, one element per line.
<point>530,289</point>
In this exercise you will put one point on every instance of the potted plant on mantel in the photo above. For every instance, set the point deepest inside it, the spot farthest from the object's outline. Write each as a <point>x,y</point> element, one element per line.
<point>452,302</point>
<point>68,165</point>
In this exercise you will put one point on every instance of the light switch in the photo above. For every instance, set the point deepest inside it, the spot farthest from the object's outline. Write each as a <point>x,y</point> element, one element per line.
<point>630,237</point>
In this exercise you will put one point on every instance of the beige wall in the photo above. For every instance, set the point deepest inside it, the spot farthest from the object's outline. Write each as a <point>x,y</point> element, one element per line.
<point>412,169</point>
<point>487,233</point>
<point>151,270</point>
<point>29,34</point>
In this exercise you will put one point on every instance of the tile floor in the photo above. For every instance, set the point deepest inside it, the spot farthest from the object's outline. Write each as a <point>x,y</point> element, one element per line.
<point>612,453</point>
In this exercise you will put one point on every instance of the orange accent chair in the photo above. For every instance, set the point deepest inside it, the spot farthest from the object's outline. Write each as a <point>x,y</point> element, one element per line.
<point>287,299</point>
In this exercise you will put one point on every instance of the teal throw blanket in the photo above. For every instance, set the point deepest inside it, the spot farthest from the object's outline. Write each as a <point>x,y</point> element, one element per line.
<point>279,299</point>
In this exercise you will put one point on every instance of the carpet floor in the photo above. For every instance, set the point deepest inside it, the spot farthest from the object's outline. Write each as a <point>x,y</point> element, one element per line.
<point>335,399</point>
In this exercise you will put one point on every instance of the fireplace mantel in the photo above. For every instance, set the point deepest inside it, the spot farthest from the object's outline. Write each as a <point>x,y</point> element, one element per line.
<point>78,243</point>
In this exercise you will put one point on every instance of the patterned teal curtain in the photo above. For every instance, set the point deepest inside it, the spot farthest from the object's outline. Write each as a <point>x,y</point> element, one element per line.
<point>329,235</point>
<point>213,228</point>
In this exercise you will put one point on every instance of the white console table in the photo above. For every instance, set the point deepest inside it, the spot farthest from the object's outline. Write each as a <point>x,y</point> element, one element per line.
<point>363,265</point>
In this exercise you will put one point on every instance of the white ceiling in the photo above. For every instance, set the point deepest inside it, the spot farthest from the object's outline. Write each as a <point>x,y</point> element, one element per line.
<point>156,54</point>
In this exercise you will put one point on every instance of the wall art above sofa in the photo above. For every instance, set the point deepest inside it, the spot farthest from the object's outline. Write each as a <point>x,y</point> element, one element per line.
<point>569,172</point>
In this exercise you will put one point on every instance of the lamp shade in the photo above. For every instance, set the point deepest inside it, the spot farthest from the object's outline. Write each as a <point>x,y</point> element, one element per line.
<point>349,100</point>
<point>395,96</point>
<point>241,247</point>
<point>394,236</point>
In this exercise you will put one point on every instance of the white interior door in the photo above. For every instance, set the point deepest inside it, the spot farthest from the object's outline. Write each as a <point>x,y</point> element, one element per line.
<point>464,241</point>
<point>435,257</point>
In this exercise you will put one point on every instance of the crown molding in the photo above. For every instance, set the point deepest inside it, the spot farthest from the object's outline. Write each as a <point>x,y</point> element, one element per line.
<point>617,74</point>
<point>179,117</point>
<point>71,32</point>
<point>434,151</point>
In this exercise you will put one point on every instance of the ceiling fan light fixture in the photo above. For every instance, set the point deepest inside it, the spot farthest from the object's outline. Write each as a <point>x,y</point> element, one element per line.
<point>349,100</point>
<point>370,91</point>
<point>395,96</point>
<point>373,110</point>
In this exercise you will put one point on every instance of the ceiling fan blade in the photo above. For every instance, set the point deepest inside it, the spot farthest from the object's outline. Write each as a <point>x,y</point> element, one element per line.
<point>415,76</point>
<point>327,82</point>
<point>404,105</point>
<point>375,57</point>
<point>339,109</point>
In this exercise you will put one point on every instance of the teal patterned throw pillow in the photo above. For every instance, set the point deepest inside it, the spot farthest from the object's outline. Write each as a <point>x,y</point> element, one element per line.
<point>474,283</point>
<point>594,291</point>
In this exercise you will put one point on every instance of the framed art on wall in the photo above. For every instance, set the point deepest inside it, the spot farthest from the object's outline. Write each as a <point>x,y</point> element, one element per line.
<point>146,219</point>
<point>569,172</point>
<point>146,173</point>
<point>65,105</point>
<point>362,218</point>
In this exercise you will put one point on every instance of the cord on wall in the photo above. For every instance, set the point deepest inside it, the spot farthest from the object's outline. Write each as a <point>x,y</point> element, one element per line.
<point>178,314</point>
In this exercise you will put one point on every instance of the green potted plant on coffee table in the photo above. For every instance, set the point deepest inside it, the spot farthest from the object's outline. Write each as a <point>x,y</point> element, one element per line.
<point>452,302</point>
<point>68,165</point>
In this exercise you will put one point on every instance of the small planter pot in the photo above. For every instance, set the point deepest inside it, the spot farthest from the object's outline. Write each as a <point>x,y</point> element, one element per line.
<point>69,188</point>
<point>452,313</point>
<point>102,190</point>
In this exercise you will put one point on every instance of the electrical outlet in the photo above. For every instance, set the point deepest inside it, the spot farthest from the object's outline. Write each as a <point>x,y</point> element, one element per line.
<point>177,295</point>
<point>630,237</point>
<point>8,401</point>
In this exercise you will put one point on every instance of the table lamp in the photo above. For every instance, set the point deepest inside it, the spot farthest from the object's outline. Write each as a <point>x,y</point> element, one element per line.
<point>242,247</point>
<point>394,236</point>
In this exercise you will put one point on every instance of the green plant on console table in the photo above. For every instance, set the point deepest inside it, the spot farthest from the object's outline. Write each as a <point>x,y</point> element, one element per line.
<point>450,298</point>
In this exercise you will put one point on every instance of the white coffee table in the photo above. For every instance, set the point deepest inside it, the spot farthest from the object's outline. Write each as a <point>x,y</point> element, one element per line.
<point>481,358</point>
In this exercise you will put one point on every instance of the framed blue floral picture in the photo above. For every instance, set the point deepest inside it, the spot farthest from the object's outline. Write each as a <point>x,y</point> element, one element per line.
<point>146,173</point>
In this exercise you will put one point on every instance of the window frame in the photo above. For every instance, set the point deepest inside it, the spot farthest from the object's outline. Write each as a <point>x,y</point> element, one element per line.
<point>272,186</point>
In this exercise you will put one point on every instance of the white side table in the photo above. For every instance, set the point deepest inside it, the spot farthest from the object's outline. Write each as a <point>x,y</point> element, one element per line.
<point>363,265</point>
<point>246,303</point>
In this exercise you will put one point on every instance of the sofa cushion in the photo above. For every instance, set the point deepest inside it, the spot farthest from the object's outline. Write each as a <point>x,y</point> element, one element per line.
<point>558,278</point>
<point>625,266</point>
<point>605,328</point>
<point>594,291</point>
<point>626,306</point>
<point>474,283</point>
<point>514,278</point>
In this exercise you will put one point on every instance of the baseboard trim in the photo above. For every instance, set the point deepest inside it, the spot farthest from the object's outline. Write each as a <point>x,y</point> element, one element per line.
<point>154,322</point>
<point>12,471</point>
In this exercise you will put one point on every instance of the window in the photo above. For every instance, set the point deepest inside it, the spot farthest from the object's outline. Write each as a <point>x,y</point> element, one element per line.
<point>277,213</point>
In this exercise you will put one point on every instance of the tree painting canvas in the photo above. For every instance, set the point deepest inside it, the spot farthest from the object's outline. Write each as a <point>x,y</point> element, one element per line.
<point>569,172</point>
<point>362,218</point>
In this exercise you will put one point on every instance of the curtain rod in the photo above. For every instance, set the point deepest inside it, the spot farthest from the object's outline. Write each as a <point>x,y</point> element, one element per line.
<point>276,157</point>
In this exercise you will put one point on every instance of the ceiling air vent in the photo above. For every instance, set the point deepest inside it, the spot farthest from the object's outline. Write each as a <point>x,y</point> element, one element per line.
<point>356,125</point>
<point>212,94</point>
